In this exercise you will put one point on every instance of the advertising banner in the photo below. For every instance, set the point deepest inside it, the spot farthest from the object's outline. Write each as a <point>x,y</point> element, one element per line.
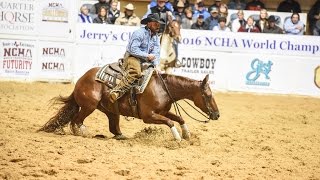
<point>55,18</point>
<point>17,17</point>
<point>54,61</point>
<point>17,58</point>
<point>253,73</point>
<point>89,56</point>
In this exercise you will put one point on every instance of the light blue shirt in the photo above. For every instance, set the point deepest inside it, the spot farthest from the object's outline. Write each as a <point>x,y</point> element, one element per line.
<point>290,28</point>
<point>142,43</point>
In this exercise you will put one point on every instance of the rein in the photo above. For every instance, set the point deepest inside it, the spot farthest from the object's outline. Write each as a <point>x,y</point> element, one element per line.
<point>176,105</point>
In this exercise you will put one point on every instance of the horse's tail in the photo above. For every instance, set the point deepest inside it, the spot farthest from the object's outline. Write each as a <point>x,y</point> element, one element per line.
<point>65,114</point>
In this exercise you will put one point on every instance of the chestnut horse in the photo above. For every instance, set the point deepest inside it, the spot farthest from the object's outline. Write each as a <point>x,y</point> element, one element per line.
<point>153,104</point>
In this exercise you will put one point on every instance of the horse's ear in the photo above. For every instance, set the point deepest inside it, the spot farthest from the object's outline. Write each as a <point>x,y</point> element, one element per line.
<point>169,16</point>
<point>205,80</point>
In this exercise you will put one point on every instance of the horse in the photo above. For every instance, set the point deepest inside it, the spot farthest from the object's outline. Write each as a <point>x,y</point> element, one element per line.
<point>169,38</point>
<point>153,104</point>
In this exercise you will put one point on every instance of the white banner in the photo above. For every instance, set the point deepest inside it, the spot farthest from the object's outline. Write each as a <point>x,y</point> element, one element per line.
<point>102,33</point>
<point>256,43</point>
<point>253,73</point>
<point>17,17</point>
<point>55,18</point>
<point>17,58</point>
<point>54,62</point>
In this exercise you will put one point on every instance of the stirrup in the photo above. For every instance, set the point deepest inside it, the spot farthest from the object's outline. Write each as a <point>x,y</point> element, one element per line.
<point>114,96</point>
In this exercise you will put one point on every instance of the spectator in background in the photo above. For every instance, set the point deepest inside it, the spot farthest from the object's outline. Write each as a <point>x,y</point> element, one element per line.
<point>167,4</point>
<point>237,4</point>
<point>200,24</point>
<point>316,29</point>
<point>200,9</point>
<point>289,6</point>
<point>239,22</point>
<point>212,21</point>
<point>255,5</point>
<point>223,10</point>
<point>113,13</point>
<point>216,4</point>
<point>250,27</point>
<point>188,19</point>
<point>128,17</point>
<point>293,25</point>
<point>222,25</point>
<point>96,7</point>
<point>84,17</point>
<point>271,27</point>
<point>179,14</point>
<point>186,4</point>
<point>102,17</point>
<point>262,22</point>
<point>161,10</point>
<point>314,17</point>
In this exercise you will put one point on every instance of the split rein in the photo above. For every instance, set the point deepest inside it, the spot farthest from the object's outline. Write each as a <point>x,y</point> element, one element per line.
<point>176,105</point>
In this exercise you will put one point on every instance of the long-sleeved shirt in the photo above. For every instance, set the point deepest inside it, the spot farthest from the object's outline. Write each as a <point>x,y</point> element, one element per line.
<point>143,43</point>
<point>290,28</point>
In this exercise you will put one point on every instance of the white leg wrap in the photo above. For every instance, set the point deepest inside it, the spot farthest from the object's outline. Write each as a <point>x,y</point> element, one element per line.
<point>185,131</point>
<point>175,133</point>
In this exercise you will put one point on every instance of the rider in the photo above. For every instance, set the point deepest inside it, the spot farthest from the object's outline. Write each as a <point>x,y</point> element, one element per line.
<point>143,46</point>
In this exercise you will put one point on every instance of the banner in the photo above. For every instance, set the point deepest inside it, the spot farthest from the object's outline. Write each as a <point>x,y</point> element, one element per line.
<point>253,73</point>
<point>55,17</point>
<point>55,61</point>
<point>17,58</point>
<point>256,43</point>
<point>17,17</point>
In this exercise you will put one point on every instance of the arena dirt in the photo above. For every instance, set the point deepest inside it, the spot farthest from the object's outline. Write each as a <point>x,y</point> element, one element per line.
<point>257,137</point>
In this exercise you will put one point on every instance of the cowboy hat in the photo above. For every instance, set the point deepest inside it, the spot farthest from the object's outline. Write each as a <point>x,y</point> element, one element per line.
<point>129,7</point>
<point>152,18</point>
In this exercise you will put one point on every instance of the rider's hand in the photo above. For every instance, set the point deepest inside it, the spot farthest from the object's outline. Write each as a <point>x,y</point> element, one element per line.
<point>151,57</point>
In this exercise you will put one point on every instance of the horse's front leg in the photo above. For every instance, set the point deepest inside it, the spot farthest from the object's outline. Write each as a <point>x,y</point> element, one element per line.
<point>159,119</point>
<point>185,131</point>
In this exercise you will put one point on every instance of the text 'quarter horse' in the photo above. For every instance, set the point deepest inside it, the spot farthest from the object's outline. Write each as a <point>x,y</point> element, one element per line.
<point>169,45</point>
<point>154,103</point>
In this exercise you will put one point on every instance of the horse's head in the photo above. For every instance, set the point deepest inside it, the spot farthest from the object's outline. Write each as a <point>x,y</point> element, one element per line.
<point>205,100</point>
<point>173,29</point>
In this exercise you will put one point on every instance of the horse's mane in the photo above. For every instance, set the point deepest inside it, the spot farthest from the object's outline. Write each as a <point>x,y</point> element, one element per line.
<point>180,81</point>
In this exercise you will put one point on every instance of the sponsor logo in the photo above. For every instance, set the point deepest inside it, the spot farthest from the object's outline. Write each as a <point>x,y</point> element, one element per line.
<point>317,77</point>
<point>55,12</point>
<point>259,75</point>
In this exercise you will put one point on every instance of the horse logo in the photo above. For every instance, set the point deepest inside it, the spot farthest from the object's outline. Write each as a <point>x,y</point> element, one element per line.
<point>317,77</point>
<point>258,68</point>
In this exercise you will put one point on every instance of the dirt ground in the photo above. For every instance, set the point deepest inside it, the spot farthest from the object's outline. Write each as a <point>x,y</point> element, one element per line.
<point>256,137</point>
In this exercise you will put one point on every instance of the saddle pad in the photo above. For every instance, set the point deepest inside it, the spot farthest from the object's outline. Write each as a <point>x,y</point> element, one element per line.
<point>101,75</point>
<point>144,80</point>
<point>112,79</point>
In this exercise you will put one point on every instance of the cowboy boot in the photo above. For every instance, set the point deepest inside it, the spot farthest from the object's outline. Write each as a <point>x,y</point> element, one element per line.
<point>119,91</point>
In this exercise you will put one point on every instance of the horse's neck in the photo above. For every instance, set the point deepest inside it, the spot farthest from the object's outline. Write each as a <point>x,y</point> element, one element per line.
<point>181,87</point>
<point>166,47</point>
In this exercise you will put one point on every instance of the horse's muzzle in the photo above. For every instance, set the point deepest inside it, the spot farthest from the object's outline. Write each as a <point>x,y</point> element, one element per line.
<point>215,115</point>
<point>179,39</point>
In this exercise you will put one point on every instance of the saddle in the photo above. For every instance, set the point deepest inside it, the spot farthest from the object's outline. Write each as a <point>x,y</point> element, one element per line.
<point>111,75</point>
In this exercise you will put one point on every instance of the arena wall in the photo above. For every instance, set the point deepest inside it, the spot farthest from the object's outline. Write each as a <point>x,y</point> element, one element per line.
<point>41,41</point>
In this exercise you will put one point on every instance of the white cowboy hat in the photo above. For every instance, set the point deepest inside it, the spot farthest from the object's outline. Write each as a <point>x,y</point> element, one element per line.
<point>129,7</point>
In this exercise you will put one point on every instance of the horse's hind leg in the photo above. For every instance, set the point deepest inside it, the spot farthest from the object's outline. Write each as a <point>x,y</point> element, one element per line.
<point>184,127</point>
<point>76,125</point>
<point>114,126</point>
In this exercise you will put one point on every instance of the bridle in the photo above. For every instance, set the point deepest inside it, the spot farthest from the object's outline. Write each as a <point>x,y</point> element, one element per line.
<point>207,99</point>
<point>177,105</point>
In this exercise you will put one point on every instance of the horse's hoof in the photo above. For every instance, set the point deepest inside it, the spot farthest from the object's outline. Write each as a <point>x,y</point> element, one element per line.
<point>59,131</point>
<point>120,137</point>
